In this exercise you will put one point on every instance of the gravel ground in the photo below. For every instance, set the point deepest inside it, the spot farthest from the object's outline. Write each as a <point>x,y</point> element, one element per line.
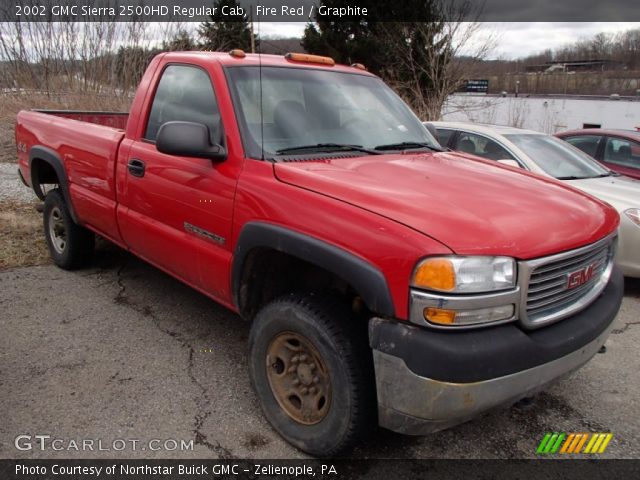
<point>11,188</point>
<point>121,350</point>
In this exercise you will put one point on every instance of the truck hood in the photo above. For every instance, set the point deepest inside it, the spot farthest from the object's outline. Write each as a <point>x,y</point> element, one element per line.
<point>621,192</point>
<point>472,206</point>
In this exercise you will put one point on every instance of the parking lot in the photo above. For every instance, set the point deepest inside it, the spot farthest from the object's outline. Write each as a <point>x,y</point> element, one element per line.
<point>123,351</point>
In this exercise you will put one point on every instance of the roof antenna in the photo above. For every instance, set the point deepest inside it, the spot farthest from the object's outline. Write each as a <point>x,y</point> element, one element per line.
<point>260,82</point>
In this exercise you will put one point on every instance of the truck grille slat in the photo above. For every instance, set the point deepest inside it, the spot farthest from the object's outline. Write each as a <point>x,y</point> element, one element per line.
<point>557,298</point>
<point>559,269</point>
<point>537,295</point>
<point>562,285</point>
<point>542,286</point>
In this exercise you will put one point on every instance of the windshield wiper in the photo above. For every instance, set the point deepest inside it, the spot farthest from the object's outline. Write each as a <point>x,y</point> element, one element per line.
<point>327,147</point>
<point>610,173</point>
<point>408,145</point>
<point>602,175</point>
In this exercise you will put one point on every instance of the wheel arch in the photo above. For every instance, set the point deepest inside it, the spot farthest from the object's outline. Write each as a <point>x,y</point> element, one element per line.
<point>44,163</point>
<point>367,280</point>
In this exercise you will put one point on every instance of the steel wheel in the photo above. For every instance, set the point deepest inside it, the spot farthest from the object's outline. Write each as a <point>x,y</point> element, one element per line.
<point>298,378</point>
<point>312,370</point>
<point>70,245</point>
<point>57,230</point>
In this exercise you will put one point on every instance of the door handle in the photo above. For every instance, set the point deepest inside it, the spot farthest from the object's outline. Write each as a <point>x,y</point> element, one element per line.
<point>136,167</point>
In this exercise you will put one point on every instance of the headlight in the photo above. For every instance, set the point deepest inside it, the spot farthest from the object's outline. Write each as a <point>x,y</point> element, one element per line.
<point>634,215</point>
<point>472,274</point>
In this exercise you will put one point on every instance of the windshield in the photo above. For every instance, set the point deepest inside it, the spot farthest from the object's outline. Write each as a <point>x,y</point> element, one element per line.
<point>320,111</point>
<point>559,159</point>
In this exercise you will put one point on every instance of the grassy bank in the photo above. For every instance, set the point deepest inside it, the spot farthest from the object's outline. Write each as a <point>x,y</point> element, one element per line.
<point>22,242</point>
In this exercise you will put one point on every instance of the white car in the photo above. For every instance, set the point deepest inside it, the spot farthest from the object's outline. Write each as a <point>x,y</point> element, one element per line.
<point>550,156</point>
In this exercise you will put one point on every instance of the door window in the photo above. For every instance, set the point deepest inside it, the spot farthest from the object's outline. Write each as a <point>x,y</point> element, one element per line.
<point>444,135</point>
<point>587,143</point>
<point>184,94</point>
<point>482,147</point>
<point>622,152</point>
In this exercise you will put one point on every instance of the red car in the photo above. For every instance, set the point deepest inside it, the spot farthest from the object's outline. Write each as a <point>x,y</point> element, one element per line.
<point>387,282</point>
<point>618,150</point>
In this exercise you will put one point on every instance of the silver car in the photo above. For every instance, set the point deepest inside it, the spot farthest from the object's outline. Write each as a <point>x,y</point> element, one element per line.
<point>547,155</point>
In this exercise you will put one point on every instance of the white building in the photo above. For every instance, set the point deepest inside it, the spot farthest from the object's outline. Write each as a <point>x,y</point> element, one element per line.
<point>548,114</point>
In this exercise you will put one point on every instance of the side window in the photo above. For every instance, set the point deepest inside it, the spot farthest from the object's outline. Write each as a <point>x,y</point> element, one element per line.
<point>622,152</point>
<point>444,136</point>
<point>587,143</point>
<point>482,147</point>
<point>184,94</point>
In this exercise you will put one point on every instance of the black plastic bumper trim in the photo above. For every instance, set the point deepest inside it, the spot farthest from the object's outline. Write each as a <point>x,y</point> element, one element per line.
<point>482,354</point>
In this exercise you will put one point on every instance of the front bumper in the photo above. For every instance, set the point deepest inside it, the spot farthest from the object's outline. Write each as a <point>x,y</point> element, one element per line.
<point>430,380</point>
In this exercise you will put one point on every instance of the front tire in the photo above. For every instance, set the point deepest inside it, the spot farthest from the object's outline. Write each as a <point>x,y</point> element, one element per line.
<point>311,368</point>
<point>70,245</point>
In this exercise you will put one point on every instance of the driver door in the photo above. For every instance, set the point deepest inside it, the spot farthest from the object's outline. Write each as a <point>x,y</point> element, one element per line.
<point>179,208</point>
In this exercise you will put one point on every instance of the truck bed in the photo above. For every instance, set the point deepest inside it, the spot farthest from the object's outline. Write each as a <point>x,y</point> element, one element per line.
<point>86,146</point>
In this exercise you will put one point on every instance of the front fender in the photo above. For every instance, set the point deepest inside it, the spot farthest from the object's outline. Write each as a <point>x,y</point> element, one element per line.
<point>365,278</point>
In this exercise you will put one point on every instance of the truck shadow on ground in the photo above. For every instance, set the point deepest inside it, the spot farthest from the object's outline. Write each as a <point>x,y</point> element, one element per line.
<point>198,323</point>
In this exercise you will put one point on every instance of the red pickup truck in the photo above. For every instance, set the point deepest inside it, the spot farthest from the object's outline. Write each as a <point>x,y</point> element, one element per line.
<point>387,282</point>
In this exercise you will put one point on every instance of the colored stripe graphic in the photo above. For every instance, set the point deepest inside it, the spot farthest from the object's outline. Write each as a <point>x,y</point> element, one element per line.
<point>605,442</point>
<point>579,444</point>
<point>550,443</point>
<point>591,443</point>
<point>573,443</point>
<point>543,444</point>
<point>568,442</point>
<point>598,443</point>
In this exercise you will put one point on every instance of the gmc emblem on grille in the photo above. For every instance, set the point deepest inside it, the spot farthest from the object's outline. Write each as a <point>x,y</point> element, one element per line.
<point>582,276</point>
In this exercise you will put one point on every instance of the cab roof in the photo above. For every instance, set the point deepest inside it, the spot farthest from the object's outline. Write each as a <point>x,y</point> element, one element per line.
<point>616,132</point>
<point>255,59</point>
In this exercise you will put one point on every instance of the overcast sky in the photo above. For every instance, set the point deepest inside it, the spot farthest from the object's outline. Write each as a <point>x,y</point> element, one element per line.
<point>513,39</point>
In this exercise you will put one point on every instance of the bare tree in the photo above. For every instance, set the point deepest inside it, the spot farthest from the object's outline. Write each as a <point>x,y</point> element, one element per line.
<point>431,60</point>
<point>101,56</point>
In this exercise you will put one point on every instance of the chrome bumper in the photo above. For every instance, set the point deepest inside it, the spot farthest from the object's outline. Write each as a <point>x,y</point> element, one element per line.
<point>415,405</point>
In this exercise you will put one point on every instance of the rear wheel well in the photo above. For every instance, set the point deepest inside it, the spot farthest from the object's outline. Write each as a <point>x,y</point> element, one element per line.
<point>268,274</point>
<point>42,173</point>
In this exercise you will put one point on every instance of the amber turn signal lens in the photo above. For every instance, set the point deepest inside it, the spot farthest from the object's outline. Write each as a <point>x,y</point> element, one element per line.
<point>304,57</point>
<point>439,315</point>
<point>435,273</point>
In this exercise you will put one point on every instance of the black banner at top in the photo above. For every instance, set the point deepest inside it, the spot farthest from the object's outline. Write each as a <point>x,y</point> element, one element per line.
<point>319,10</point>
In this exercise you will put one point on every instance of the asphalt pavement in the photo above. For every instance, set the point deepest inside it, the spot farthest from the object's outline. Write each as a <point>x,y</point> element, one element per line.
<point>121,352</point>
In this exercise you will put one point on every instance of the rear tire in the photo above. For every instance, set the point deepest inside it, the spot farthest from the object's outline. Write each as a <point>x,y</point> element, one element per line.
<point>312,370</point>
<point>70,245</point>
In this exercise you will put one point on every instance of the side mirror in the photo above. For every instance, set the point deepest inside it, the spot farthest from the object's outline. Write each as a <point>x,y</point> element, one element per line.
<point>188,139</point>
<point>511,163</point>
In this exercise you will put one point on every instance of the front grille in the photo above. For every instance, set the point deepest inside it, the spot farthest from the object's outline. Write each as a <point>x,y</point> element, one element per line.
<point>563,284</point>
